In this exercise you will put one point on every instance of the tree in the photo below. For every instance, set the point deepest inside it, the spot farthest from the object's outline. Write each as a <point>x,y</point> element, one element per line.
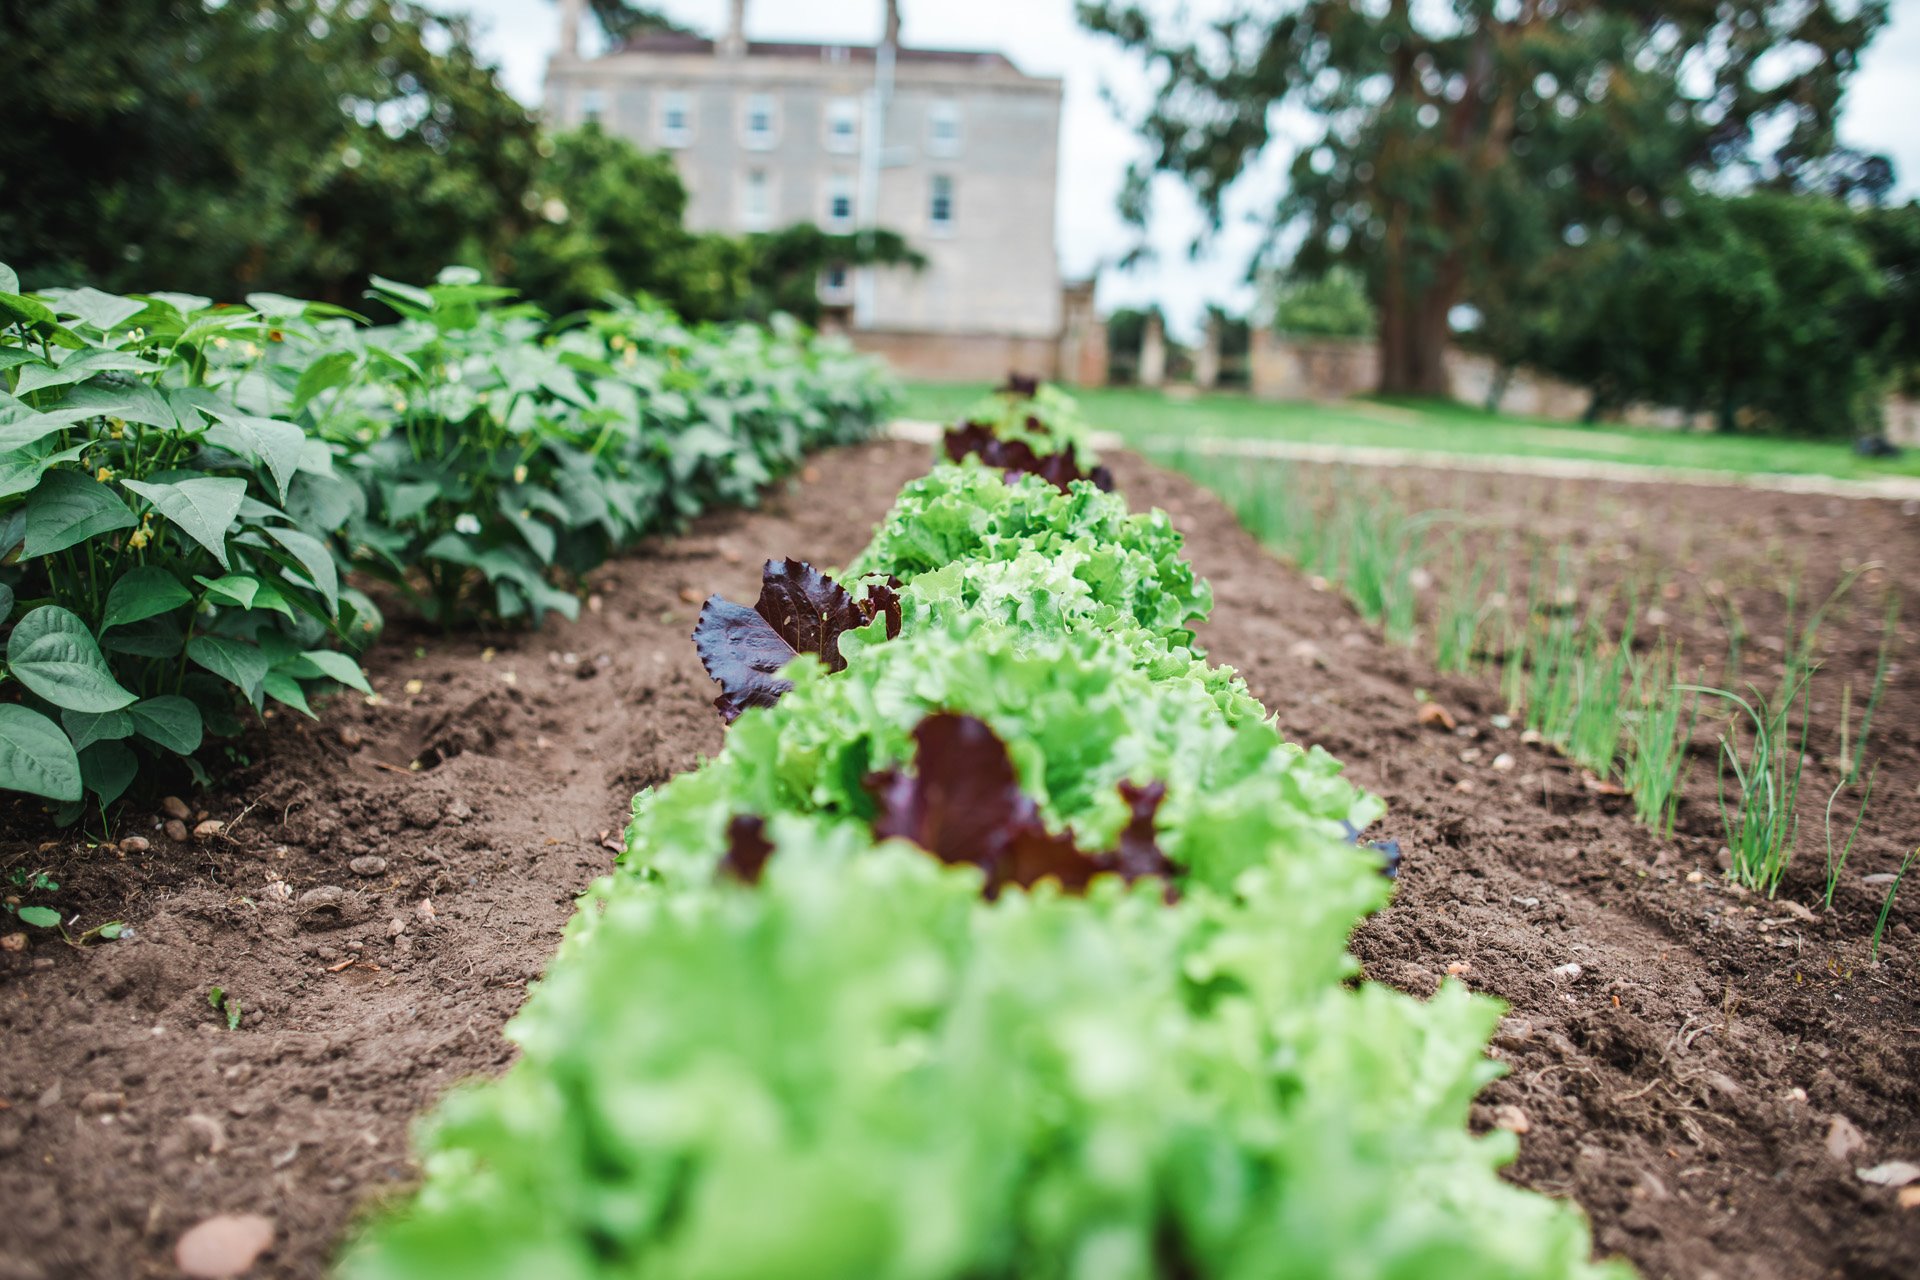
<point>1332,305</point>
<point>620,19</point>
<point>608,221</point>
<point>293,145</point>
<point>1766,310</point>
<point>1454,139</point>
<point>785,266</point>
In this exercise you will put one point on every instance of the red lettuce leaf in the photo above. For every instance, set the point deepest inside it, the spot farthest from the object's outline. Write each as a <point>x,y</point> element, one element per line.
<point>747,849</point>
<point>800,610</point>
<point>1018,458</point>
<point>1024,385</point>
<point>963,804</point>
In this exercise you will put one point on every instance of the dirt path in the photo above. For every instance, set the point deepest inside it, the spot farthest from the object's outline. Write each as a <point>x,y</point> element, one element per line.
<point>1656,1085</point>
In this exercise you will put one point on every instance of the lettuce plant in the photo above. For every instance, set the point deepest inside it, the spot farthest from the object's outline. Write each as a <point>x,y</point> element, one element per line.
<point>1129,563</point>
<point>858,1066</point>
<point>154,577</point>
<point>1027,427</point>
<point>986,949</point>
<point>1079,717</point>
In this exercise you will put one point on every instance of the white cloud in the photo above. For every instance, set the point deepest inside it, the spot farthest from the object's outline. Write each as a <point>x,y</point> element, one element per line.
<point>1042,37</point>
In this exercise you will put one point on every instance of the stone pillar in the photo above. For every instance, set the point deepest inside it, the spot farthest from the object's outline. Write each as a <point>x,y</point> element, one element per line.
<point>1206,361</point>
<point>1082,357</point>
<point>1263,372</point>
<point>1153,352</point>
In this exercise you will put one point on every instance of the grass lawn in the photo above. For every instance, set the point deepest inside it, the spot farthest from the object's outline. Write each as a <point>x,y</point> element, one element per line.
<point>1139,415</point>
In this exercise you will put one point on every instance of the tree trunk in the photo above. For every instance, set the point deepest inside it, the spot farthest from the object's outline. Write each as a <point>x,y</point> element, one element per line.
<point>1413,338</point>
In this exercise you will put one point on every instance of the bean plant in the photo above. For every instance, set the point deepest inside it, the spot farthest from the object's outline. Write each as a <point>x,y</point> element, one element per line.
<point>154,579</point>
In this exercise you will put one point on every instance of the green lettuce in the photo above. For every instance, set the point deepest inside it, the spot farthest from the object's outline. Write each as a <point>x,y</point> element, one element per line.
<point>861,1069</point>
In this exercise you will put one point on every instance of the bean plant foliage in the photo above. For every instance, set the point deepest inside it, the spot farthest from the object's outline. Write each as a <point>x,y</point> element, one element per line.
<point>185,488</point>
<point>502,455</point>
<point>155,577</point>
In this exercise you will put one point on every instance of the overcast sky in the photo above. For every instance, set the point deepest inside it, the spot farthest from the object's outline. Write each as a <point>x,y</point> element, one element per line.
<point>1883,114</point>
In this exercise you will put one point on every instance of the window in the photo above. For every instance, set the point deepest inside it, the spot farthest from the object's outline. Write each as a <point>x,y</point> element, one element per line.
<point>840,202</point>
<point>759,123</point>
<point>940,203</point>
<point>843,125</point>
<point>835,286</point>
<point>676,119</point>
<point>943,129</point>
<point>756,200</point>
<point>592,106</point>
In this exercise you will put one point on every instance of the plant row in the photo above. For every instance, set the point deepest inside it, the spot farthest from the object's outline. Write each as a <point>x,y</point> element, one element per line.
<point>1625,711</point>
<point>1006,937</point>
<point>189,492</point>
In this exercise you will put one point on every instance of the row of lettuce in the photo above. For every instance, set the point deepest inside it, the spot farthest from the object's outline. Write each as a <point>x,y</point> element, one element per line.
<point>1006,937</point>
<point>189,492</point>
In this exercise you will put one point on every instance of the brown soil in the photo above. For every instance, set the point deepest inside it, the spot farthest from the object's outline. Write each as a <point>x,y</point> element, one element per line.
<point>1720,1066</point>
<point>1661,1087</point>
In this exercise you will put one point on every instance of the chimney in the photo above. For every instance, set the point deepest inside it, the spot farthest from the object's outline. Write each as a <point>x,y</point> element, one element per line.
<point>570,28</point>
<point>734,43</point>
<point>892,33</point>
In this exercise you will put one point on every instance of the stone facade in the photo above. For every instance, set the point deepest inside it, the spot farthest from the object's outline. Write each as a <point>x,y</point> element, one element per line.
<point>766,135</point>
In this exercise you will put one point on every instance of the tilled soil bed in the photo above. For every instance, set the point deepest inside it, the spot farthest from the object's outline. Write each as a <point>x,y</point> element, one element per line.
<point>1706,1082</point>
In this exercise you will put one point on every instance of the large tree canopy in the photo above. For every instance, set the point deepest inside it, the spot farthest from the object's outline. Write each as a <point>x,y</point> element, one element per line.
<point>221,147</point>
<point>1454,139</point>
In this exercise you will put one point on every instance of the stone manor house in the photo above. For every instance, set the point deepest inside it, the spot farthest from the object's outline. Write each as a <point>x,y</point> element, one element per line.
<point>957,151</point>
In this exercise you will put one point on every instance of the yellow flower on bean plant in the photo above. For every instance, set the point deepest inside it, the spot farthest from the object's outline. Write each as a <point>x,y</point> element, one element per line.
<point>103,475</point>
<point>139,539</point>
<point>520,474</point>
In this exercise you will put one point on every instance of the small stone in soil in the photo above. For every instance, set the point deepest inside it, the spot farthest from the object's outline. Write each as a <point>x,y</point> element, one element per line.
<point>175,807</point>
<point>1844,1138</point>
<point>370,865</point>
<point>1895,1173</point>
<point>1434,716</point>
<point>13,942</point>
<point>222,1247</point>
<point>134,844</point>
<point>1504,762</point>
<point>208,829</point>
<point>176,831</point>
<point>1512,1119</point>
<point>1569,971</point>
